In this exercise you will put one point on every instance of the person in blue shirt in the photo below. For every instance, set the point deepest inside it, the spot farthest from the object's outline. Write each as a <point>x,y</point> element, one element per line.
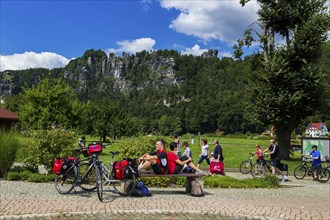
<point>316,162</point>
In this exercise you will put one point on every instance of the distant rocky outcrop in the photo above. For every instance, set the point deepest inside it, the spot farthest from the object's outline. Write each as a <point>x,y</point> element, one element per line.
<point>127,72</point>
<point>210,53</point>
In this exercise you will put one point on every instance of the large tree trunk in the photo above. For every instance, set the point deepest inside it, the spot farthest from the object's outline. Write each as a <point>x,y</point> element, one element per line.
<point>284,138</point>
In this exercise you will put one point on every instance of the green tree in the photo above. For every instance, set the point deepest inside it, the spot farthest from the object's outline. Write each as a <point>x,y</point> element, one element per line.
<point>107,118</point>
<point>52,100</point>
<point>169,124</point>
<point>285,84</point>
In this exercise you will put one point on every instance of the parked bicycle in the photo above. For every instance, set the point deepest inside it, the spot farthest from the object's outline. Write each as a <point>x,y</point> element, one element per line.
<point>76,171</point>
<point>303,169</point>
<point>121,175</point>
<point>247,165</point>
<point>324,173</point>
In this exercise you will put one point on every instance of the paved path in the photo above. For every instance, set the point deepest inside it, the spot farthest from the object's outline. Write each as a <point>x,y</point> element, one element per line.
<point>302,199</point>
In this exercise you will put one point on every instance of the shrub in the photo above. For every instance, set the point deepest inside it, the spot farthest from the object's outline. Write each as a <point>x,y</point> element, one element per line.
<point>9,144</point>
<point>13,176</point>
<point>136,147</point>
<point>230,182</point>
<point>39,178</point>
<point>29,176</point>
<point>46,145</point>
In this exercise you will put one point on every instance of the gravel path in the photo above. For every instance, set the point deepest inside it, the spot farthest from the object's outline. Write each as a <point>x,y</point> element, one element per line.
<point>302,199</point>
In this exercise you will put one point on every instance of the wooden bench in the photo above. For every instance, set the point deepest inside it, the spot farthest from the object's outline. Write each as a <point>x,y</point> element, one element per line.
<point>190,177</point>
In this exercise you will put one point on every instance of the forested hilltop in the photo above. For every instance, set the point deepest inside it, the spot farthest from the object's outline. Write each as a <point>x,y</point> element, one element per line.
<point>151,92</point>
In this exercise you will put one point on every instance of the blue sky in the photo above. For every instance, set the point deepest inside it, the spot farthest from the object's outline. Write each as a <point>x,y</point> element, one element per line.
<point>44,33</point>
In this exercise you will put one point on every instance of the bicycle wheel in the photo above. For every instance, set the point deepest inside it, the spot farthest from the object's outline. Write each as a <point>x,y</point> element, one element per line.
<point>300,172</point>
<point>125,187</point>
<point>88,177</point>
<point>245,167</point>
<point>257,170</point>
<point>324,175</point>
<point>64,183</point>
<point>99,186</point>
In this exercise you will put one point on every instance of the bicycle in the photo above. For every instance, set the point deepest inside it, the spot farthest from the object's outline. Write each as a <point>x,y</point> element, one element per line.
<point>303,169</point>
<point>106,176</point>
<point>79,172</point>
<point>261,168</point>
<point>246,165</point>
<point>264,167</point>
<point>324,173</point>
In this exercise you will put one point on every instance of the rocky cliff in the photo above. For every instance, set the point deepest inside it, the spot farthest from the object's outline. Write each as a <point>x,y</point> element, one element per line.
<point>95,67</point>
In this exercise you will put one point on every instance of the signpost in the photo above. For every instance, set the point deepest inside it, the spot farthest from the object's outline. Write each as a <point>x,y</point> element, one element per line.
<point>323,145</point>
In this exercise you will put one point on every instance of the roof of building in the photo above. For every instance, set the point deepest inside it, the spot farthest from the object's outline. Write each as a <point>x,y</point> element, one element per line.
<point>316,126</point>
<point>5,114</point>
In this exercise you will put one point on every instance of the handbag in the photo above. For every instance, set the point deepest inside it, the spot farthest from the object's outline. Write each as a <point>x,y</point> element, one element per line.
<point>217,167</point>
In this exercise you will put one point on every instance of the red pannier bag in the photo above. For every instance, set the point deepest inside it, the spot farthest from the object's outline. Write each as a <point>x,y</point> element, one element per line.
<point>217,167</point>
<point>119,169</point>
<point>95,148</point>
<point>58,163</point>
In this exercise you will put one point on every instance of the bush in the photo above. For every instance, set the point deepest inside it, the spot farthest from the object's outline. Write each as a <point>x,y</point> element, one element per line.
<point>46,145</point>
<point>9,144</point>
<point>136,147</point>
<point>29,176</point>
<point>230,182</point>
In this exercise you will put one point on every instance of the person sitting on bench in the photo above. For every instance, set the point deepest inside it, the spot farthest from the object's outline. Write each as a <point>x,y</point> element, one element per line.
<point>175,165</point>
<point>157,160</point>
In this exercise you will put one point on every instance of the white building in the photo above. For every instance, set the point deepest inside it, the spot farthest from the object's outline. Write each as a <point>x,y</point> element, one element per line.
<point>316,130</point>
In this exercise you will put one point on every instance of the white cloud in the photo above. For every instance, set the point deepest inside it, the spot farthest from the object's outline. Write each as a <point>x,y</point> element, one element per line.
<point>133,46</point>
<point>146,5</point>
<point>225,54</point>
<point>212,20</point>
<point>195,50</point>
<point>32,60</point>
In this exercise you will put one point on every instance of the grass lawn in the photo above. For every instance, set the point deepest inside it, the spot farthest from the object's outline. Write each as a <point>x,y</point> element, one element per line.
<point>235,149</point>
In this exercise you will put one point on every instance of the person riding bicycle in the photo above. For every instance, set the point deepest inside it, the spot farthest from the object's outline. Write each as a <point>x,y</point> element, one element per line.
<point>316,162</point>
<point>274,152</point>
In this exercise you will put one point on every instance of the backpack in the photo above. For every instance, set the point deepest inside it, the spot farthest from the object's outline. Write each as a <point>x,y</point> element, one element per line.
<point>63,165</point>
<point>68,166</point>
<point>122,169</point>
<point>196,189</point>
<point>141,189</point>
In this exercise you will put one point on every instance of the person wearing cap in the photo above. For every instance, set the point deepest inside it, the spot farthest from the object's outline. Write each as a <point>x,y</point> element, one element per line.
<point>316,162</point>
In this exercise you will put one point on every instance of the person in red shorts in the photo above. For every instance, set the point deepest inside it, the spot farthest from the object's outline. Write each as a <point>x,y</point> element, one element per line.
<point>157,160</point>
<point>175,165</point>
